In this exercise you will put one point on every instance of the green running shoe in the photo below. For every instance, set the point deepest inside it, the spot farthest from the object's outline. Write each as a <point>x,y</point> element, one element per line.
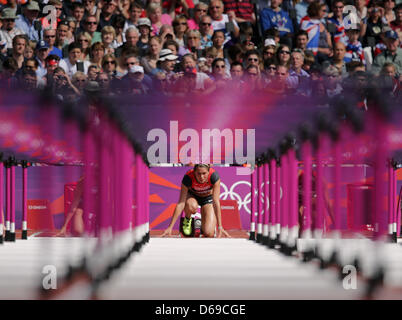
<point>187,226</point>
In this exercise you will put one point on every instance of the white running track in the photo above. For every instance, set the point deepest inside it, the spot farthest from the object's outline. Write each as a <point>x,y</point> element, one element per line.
<point>174,268</point>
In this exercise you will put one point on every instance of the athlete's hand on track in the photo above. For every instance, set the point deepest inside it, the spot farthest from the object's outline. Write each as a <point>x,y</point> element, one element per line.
<point>224,233</point>
<point>167,232</point>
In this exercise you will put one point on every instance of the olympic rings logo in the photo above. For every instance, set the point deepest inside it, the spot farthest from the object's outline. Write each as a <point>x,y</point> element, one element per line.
<point>243,203</point>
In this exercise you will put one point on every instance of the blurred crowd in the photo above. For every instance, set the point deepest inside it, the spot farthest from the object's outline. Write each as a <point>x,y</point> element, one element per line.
<point>312,48</point>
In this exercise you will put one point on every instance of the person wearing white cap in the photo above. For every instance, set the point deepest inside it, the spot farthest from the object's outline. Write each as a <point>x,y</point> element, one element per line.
<point>25,21</point>
<point>167,61</point>
<point>8,30</point>
<point>136,85</point>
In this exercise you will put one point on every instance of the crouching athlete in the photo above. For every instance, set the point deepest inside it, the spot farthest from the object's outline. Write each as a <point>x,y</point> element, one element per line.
<point>200,187</point>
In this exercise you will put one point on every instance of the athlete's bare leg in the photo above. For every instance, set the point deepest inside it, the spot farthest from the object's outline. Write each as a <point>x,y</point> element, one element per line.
<point>190,207</point>
<point>208,220</point>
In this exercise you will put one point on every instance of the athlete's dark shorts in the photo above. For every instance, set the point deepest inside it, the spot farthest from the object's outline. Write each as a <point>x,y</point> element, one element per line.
<point>202,201</point>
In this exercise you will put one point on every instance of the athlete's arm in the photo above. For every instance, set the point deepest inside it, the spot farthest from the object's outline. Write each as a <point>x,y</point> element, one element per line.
<point>178,210</point>
<point>216,191</point>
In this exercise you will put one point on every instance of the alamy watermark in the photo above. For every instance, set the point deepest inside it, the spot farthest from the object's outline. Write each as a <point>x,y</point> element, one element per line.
<point>198,146</point>
<point>49,281</point>
<point>349,282</point>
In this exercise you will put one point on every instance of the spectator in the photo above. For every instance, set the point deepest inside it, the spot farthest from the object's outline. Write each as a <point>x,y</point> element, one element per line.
<point>145,28</point>
<point>270,66</point>
<point>338,60</point>
<point>219,72</point>
<point>268,52</point>
<point>118,25</point>
<point>79,80</point>
<point>252,57</point>
<point>8,29</point>
<point>178,7</point>
<point>10,67</point>
<point>180,28</point>
<point>279,86</point>
<point>135,12</point>
<point>49,35</point>
<point>78,14</point>
<point>90,7</point>
<point>109,39</point>
<point>84,40</point>
<point>389,14</point>
<point>105,13</point>
<point>298,78</point>
<point>150,60</point>
<point>275,17</point>
<point>52,62</point>
<point>301,9</point>
<point>61,36</point>
<point>211,54</point>
<point>361,10</point>
<point>203,84</point>
<point>158,19</point>
<point>319,39</point>
<point>62,85</point>
<point>392,54</point>
<point>29,49</point>
<point>302,40</point>
<point>104,82</point>
<point>193,43</point>
<point>308,61</point>
<point>332,82</point>
<point>167,62</point>
<point>206,31</point>
<point>373,26</point>
<point>90,26</point>
<point>109,64</point>
<point>25,21</point>
<point>73,62</point>
<point>218,40</point>
<point>253,79</point>
<point>200,9</point>
<point>354,49</point>
<point>96,53</point>
<point>42,51</point>
<point>222,21</point>
<point>28,81</point>
<point>396,25</point>
<point>236,73</point>
<point>132,36</point>
<point>17,52</point>
<point>133,81</point>
<point>243,10</point>
<point>283,56</point>
<point>337,20</point>
<point>93,71</point>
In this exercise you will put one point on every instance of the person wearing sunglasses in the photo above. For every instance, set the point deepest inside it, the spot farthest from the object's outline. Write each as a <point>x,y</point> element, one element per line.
<point>180,28</point>
<point>200,9</point>
<point>90,26</point>
<point>283,55</point>
<point>206,31</point>
<point>252,58</point>
<point>49,35</point>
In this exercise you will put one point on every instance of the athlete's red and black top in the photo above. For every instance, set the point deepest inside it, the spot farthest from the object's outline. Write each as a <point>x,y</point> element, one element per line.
<point>200,189</point>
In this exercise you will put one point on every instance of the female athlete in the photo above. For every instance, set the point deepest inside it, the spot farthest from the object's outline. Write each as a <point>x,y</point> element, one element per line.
<point>200,187</point>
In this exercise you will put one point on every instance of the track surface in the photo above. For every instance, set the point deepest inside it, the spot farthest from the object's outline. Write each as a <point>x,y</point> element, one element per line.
<point>185,268</point>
